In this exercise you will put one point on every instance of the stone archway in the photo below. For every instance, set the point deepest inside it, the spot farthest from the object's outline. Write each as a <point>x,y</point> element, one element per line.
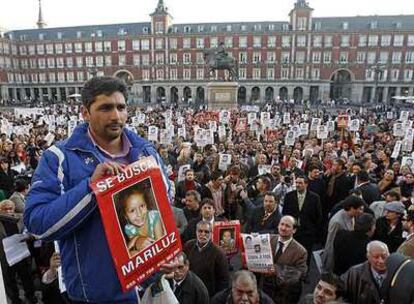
<point>241,95</point>
<point>200,95</point>
<point>341,84</point>
<point>126,76</point>
<point>160,94</point>
<point>174,95</point>
<point>298,94</point>
<point>269,94</point>
<point>283,93</point>
<point>255,94</point>
<point>187,94</point>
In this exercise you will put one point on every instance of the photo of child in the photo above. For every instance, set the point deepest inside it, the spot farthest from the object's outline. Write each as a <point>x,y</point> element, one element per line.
<point>227,242</point>
<point>138,216</point>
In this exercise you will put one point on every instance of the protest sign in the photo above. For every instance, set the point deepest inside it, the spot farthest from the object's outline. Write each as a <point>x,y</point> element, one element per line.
<point>213,125</point>
<point>165,137</point>
<point>343,121</point>
<point>304,117</point>
<point>140,242</point>
<point>304,128</point>
<point>224,161</point>
<point>397,149</point>
<point>226,235</point>
<point>241,125</point>
<point>222,132</point>
<point>331,125</point>
<point>264,169</point>
<point>398,130</point>
<point>408,161</point>
<point>264,119</point>
<point>224,117</point>
<point>153,133</point>
<point>286,118</point>
<point>404,115</point>
<point>181,132</point>
<point>354,125</point>
<point>390,115</point>
<point>15,248</point>
<point>208,136</point>
<point>258,253</point>
<point>290,138</point>
<point>406,145</point>
<point>409,134</point>
<point>315,123</point>
<point>251,118</point>
<point>296,129</point>
<point>322,132</point>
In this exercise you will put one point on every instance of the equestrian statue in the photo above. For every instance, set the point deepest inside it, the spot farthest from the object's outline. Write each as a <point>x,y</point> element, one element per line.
<point>219,59</point>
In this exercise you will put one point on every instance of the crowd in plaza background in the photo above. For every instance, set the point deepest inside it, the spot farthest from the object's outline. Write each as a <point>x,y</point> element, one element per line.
<point>350,193</point>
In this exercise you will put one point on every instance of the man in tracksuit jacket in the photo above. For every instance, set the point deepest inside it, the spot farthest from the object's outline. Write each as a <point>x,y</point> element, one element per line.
<point>61,206</point>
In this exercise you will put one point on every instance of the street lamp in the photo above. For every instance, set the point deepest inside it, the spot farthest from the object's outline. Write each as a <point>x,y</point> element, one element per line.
<point>377,70</point>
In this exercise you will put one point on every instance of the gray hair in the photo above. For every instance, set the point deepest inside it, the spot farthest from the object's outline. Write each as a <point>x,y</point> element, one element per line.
<point>377,245</point>
<point>204,223</point>
<point>243,274</point>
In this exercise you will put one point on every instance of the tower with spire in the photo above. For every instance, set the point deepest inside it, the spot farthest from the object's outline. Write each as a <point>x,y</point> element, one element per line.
<point>40,22</point>
<point>301,16</point>
<point>160,19</point>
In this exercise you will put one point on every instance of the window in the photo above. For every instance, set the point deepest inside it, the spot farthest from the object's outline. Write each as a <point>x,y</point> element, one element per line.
<point>385,40</point>
<point>78,35</point>
<point>145,59</point>
<point>160,74</point>
<point>121,60</point>
<point>285,57</point>
<point>214,28</point>
<point>78,47</point>
<point>302,22</point>
<point>345,25</point>
<point>409,57</point>
<point>362,41</point>
<point>257,41</point>
<point>228,42</point>
<point>159,58</point>
<point>60,62</point>
<point>200,28</point>
<point>49,49</point>
<point>271,42</point>
<point>398,40</point>
<point>243,42</point>
<point>187,74</point>
<point>317,26</point>
<point>383,57</point>
<point>396,57</point>
<point>52,77</point>
<point>121,45</point>
<point>373,25</point>
<point>285,41</point>
<point>200,43</point>
<point>345,41</point>
<point>343,57</point>
<point>42,77</point>
<point>316,74</point>
<point>173,74</point>
<point>88,47</point>
<point>32,49</point>
<point>42,63</point>
<point>271,57</point>
<point>159,27</point>
<point>107,46</point>
<point>284,73</point>
<point>79,62</point>
<point>317,41</point>
<point>70,76</point>
<point>61,77</point>
<point>99,33</point>
<point>256,57</point>
<point>199,58</point>
<point>395,75</point>
<point>299,73</point>
<point>186,58</point>
<point>69,62</point>
<point>373,40</point>
<point>187,43</point>
<point>108,60</point>
<point>316,57</point>
<point>228,28</point>
<point>270,73</point>
<point>257,27</point>
<point>301,41</point>
<point>242,57</point>
<point>50,63</point>
<point>328,41</point>
<point>369,74</point>
<point>187,29</point>
<point>408,75</point>
<point>98,46</point>
<point>136,59</point>
<point>159,43</point>
<point>244,28</point>
<point>242,73</point>
<point>145,30</point>
<point>256,73</point>
<point>361,57</point>
<point>300,57</point>
<point>383,75</point>
<point>410,40</point>
<point>327,57</point>
<point>135,45</point>
<point>33,63</point>
<point>99,61</point>
<point>41,36</point>
<point>200,74</point>
<point>173,43</point>
<point>23,50</point>
<point>213,42</point>
<point>80,76</point>
<point>372,57</point>
<point>173,58</point>
<point>145,44</point>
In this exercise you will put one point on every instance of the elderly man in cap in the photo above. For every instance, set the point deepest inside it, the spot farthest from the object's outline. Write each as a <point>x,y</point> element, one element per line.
<point>407,247</point>
<point>389,228</point>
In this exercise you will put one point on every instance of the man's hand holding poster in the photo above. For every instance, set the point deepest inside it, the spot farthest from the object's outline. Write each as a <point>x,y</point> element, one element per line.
<point>258,253</point>
<point>226,235</point>
<point>138,221</point>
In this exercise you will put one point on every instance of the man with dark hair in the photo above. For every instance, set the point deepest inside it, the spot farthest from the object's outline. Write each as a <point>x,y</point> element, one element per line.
<point>328,290</point>
<point>354,243</point>
<point>243,290</point>
<point>207,260</point>
<point>61,206</point>
<point>265,219</point>
<point>305,207</point>
<point>6,179</point>
<point>21,188</point>
<point>192,205</point>
<point>186,285</point>
<point>339,184</point>
<point>186,185</point>
<point>407,247</point>
<point>370,192</point>
<point>215,190</point>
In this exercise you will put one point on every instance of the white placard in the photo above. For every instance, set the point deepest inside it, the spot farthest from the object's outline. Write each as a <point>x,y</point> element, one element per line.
<point>62,286</point>
<point>408,161</point>
<point>224,117</point>
<point>398,129</point>
<point>251,118</point>
<point>331,125</point>
<point>222,132</point>
<point>304,128</point>
<point>286,118</point>
<point>181,132</point>
<point>315,123</point>
<point>407,145</point>
<point>397,149</point>
<point>165,136</point>
<point>322,132</point>
<point>213,125</point>
<point>208,136</point>
<point>181,172</point>
<point>264,119</point>
<point>153,133</point>
<point>290,138</point>
<point>15,248</point>
<point>224,161</point>
<point>264,169</point>
<point>390,115</point>
<point>404,115</point>
<point>354,125</point>
<point>258,252</point>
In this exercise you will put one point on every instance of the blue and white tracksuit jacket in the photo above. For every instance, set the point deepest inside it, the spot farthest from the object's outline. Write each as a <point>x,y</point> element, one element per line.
<point>61,206</point>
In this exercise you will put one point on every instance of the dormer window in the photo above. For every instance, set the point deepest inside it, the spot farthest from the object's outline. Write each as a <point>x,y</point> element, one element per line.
<point>187,29</point>
<point>145,30</point>
<point>345,25</point>
<point>78,34</point>
<point>373,25</point>
<point>122,32</point>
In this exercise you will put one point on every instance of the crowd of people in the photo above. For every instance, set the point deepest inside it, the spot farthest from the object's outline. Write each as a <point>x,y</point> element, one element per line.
<point>337,180</point>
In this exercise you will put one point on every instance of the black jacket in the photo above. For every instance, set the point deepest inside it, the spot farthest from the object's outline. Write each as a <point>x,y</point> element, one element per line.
<point>393,238</point>
<point>191,290</point>
<point>255,222</point>
<point>370,193</point>
<point>342,186</point>
<point>190,232</point>
<point>224,297</point>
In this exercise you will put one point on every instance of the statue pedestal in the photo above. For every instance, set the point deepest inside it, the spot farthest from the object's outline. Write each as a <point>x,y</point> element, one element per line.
<point>222,95</point>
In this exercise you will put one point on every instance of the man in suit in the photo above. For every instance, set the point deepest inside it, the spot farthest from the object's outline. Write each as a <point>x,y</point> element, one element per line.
<point>192,205</point>
<point>285,285</point>
<point>19,195</point>
<point>265,219</point>
<point>338,185</point>
<point>363,281</point>
<point>305,207</point>
<point>370,192</point>
<point>407,247</point>
<point>186,285</point>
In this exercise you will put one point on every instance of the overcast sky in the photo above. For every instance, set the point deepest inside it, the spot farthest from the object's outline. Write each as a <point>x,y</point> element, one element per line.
<point>22,14</point>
